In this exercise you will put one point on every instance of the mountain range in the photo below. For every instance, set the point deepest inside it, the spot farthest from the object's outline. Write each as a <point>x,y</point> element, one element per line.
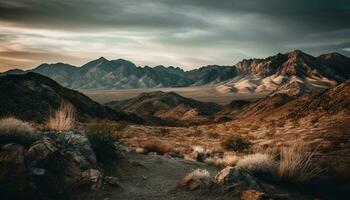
<point>32,97</point>
<point>293,72</point>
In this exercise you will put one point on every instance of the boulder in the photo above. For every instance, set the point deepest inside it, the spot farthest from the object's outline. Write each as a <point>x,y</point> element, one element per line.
<point>75,142</point>
<point>254,195</point>
<point>13,176</point>
<point>41,151</point>
<point>111,180</point>
<point>91,178</point>
<point>236,178</point>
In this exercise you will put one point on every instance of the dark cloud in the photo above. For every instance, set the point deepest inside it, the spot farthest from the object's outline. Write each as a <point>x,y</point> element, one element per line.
<point>231,28</point>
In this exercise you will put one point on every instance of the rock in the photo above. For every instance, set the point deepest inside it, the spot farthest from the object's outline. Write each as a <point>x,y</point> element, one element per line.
<point>254,195</point>
<point>193,182</point>
<point>77,144</point>
<point>92,178</point>
<point>41,150</point>
<point>13,176</point>
<point>111,180</point>
<point>240,179</point>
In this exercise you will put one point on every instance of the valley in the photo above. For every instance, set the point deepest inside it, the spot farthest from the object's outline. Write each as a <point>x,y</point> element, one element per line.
<point>205,94</point>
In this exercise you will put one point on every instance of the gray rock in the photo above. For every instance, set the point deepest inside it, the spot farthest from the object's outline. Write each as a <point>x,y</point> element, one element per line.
<point>231,176</point>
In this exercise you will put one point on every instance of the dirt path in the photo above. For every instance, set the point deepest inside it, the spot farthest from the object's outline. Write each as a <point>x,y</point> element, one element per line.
<point>154,177</point>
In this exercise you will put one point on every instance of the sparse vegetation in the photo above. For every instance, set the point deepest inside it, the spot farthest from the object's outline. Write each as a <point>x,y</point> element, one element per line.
<point>63,119</point>
<point>226,160</point>
<point>295,163</point>
<point>159,147</point>
<point>103,135</point>
<point>13,130</point>
<point>196,179</point>
<point>236,143</point>
<point>257,163</point>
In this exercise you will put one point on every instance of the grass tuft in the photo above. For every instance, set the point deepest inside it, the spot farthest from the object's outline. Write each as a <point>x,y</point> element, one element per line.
<point>63,119</point>
<point>295,163</point>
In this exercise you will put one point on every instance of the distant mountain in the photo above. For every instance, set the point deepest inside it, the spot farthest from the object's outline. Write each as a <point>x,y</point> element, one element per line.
<point>290,70</point>
<point>329,103</point>
<point>32,96</point>
<point>166,107</point>
<point>294,73</point>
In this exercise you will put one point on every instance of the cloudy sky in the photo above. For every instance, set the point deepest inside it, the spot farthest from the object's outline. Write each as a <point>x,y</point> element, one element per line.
<point>185,33</point>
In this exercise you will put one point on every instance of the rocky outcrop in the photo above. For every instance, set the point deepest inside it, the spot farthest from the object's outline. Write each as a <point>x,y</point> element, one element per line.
<point>13,177</point>
<point>58,162</point>
<point>237,179</point>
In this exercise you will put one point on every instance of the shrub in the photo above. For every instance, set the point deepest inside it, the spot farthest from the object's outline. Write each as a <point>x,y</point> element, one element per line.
<point>236,143</point>
<point>159,147</point>
<point>226,160</point>
<point>13,130</point>
<point>295,163</point>
<point>103,136</point>
<point>63,119</point>
<point>257,163</point>
<point>196,179</point>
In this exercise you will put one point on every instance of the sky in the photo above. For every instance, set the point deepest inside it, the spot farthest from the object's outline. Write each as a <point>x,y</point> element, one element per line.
<point>184,33</point>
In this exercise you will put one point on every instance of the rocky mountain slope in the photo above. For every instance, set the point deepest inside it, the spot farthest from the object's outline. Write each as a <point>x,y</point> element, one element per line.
<point>333,102</point>
<point>32,96</point>
<point>166,107</point>
<point>287,71</point>
<point>284,71</point>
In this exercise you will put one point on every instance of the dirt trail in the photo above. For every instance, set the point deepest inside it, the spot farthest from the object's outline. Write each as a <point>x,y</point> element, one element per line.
<point>154,177</point>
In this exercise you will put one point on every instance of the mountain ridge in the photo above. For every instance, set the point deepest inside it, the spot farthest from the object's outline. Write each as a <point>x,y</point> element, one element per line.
<point>247,76</point>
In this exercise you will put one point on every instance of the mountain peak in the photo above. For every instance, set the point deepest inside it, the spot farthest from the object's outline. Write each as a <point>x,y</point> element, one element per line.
<point>296,53</point>
<point>102,59</point>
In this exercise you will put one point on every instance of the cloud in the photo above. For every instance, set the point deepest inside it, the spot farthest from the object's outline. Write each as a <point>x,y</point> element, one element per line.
<point>170,32</point>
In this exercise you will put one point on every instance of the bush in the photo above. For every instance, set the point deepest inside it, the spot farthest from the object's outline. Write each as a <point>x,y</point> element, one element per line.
<point>63,119</point>
<point>103,136</point>
<point>13,130</point>
<point>196,179</point>
<point>295,163</point>
<point>236,143</point>
<point>159,147</point>
<point>257,163</point>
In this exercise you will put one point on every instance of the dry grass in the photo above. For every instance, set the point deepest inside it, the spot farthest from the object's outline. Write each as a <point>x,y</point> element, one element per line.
<point>159,147</point>
<point>257,163</point>
<point>13,130</point>
<point>196,179</point>
<point>226,160</point>
<point>295,163</point>
<point>63,119</point>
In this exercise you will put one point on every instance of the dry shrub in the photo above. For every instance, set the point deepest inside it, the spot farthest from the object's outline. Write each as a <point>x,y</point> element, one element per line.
<point>295,163</point>
<point>196,179</point>
<point>13,130</point>
<point>236,143</point>
<point>103,135</point>
<point>159,147</point>
<point>257,163</point>
<point>63,119</point>
<point>226,160</point>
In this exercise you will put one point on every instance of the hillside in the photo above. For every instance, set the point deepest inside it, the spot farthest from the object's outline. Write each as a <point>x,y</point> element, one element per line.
<point>32,96</point>
<point>166,106</point>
